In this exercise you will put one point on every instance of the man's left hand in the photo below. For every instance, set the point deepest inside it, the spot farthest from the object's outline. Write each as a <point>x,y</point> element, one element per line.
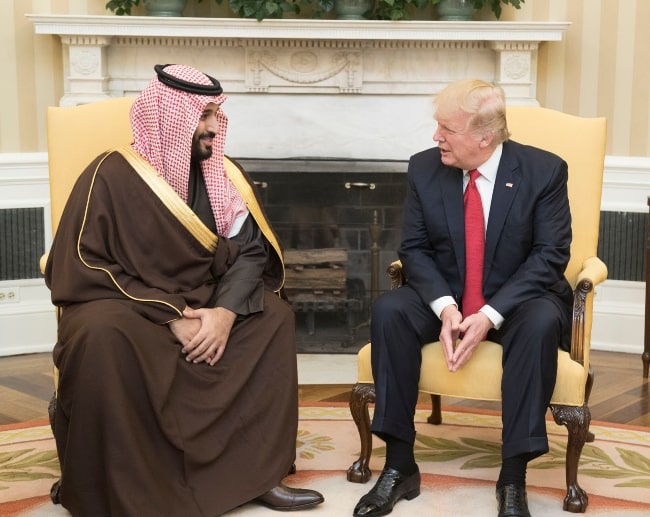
<point>474,329</point>
<point>209,343</point>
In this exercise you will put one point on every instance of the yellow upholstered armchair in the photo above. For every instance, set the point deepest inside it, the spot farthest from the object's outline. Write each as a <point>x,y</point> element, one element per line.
<point>581,142</point>
<point>75,136</point>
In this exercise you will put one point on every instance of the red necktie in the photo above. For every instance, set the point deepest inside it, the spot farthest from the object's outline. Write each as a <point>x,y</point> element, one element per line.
<point>474,247</point>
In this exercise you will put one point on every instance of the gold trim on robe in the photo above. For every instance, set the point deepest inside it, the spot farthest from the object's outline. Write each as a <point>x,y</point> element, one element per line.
<point>246,192</point>
<point>171,199</point>
<point>83,261</point>
<point>187,216</point>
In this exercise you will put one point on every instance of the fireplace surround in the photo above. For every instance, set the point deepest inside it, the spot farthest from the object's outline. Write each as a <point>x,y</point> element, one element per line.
<point>303,87</point>
<point>335,204</point>
<point>323,114</point>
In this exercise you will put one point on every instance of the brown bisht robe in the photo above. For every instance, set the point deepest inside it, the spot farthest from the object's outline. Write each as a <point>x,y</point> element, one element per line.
<point>139,430</point>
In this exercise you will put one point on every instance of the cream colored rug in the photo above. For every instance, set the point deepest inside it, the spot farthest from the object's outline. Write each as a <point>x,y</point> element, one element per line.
<point>459,461</point>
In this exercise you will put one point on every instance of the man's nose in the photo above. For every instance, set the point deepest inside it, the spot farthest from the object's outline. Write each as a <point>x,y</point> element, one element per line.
<point>212,123</point>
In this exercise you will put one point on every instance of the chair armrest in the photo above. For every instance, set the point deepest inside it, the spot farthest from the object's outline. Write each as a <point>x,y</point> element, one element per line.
<point>43,262</point>
<point>396,274</point>
<point>594,272</point>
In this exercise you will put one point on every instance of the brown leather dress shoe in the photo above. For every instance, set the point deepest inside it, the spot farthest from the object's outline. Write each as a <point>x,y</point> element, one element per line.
<point>287,499</point>
<point>391,486</point>
<point>512,501</point>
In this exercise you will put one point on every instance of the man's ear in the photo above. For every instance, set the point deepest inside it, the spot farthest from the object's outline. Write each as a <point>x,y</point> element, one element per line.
<point>486,140</point>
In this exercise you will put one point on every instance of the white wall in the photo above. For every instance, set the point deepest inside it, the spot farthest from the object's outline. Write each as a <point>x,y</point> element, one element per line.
<point>27,322</point>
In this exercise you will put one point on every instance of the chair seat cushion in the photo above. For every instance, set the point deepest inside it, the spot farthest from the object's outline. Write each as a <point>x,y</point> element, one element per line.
<point>480,377</point>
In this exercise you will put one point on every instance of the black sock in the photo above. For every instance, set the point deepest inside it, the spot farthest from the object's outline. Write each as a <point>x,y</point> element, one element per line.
<point>513,471</point>
<point>399,456</point>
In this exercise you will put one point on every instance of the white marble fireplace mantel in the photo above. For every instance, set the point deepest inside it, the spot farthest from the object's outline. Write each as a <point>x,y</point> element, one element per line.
<point>362,78</point>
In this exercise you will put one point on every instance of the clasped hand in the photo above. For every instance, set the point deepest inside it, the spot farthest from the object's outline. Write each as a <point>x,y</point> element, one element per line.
<point>203,333</point>
<point>473,329</point>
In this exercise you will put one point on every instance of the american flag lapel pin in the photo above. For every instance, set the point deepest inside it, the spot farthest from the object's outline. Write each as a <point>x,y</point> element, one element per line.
<point>509,185</point>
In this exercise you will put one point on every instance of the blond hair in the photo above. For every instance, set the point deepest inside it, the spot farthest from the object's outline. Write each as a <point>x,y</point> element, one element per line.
<point>485,104</point>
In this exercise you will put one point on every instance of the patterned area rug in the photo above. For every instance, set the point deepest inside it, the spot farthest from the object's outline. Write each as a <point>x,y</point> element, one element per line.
<point>459,461</point>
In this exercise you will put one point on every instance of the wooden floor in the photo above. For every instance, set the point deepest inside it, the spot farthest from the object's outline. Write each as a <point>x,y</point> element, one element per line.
<point>620,394</point>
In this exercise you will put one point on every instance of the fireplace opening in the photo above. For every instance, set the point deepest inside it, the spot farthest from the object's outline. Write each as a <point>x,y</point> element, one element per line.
<point>339,222</point>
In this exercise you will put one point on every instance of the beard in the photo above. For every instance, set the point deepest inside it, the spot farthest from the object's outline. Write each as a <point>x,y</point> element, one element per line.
<point>200,151</point>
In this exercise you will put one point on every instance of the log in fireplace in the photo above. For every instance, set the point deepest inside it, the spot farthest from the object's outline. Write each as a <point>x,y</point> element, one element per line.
<point>339,222</point>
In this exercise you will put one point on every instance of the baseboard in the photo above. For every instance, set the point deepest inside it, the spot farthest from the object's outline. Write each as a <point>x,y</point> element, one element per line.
<point>28,322</point>
<point>619,317</point>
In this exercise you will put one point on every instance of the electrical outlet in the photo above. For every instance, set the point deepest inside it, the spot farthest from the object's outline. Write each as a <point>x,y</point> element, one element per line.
<point>9,295</point>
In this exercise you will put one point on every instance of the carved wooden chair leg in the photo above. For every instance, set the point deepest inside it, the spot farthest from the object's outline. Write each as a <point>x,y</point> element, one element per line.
<point>435,417</point>
<point>361,396</point>
<point>590,382</point>
<point>576,420</point>
<point>55,490</point>
<point>51,412</point>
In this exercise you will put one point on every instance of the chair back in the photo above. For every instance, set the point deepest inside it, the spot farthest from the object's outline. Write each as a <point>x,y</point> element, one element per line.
<point>75,136</point>
<point>581,143</point>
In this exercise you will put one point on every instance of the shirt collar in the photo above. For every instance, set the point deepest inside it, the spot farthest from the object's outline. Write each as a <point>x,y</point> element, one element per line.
<point>489,168</point>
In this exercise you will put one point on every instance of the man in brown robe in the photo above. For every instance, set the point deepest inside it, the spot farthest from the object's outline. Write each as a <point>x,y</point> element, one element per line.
<point>177,393</point>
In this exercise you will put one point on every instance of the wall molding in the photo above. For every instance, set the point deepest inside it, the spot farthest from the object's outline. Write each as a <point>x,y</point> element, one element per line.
<point>28,324</point>
<point>344,88</point>
<point>626,184</point>
<point>298,55</point>
<point>619,317</point>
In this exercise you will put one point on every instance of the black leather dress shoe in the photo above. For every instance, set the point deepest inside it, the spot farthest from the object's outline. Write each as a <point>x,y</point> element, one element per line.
<point>512,501</point>
<point>288,499</point>
<point>391,486</point>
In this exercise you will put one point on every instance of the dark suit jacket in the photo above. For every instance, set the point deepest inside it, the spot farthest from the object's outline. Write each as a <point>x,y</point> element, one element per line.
<point>528,233</point>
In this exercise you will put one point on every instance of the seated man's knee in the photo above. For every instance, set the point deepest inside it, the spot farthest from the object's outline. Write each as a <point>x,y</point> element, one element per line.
<point>388,305</point>
<point>540,317</point>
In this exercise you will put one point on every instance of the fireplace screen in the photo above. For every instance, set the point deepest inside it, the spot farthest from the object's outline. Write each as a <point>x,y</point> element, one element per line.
<point>339,222</point>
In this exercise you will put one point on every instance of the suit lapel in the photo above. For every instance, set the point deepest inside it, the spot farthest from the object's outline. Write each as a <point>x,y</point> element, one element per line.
<point>451,184</point>
<point>505,189</point>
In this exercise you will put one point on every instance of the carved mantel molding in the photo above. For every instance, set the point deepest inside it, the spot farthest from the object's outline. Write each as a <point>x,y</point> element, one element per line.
<point>113,56</point>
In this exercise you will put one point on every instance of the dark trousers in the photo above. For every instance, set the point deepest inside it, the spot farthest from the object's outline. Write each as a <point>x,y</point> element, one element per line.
<point>401,323</point>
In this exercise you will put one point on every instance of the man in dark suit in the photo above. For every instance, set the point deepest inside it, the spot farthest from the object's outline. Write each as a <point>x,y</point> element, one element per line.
<point>520,298</point>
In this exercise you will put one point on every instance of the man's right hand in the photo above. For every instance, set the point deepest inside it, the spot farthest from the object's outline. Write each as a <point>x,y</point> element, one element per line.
<point>449,332</point>
<point>184,329</point>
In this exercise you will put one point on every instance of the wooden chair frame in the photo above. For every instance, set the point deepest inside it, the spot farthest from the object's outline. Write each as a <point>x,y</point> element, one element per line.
<point>575,418</point>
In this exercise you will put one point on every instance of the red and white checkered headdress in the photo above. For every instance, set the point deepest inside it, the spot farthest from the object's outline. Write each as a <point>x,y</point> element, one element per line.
<point>164,118</point>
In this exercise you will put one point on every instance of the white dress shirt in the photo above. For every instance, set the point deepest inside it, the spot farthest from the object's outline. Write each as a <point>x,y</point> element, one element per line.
<point>485,186</point>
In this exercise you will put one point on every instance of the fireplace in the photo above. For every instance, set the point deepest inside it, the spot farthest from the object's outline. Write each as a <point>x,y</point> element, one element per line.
<point>357,90</point>
<point>342,218</point>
